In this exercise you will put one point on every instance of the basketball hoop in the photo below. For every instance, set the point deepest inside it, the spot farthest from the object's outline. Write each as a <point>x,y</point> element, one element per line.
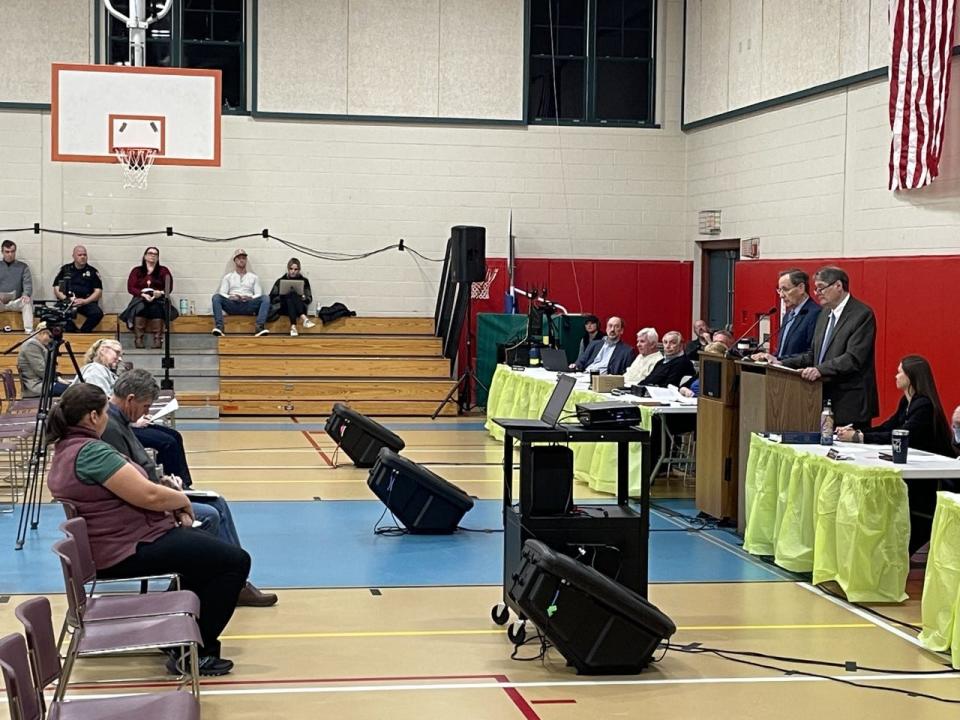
<point>136,163</point>
<point>481,290</point>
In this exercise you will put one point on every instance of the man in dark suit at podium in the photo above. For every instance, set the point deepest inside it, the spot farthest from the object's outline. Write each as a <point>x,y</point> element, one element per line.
<point>842,353</point>
<point>799,317</point>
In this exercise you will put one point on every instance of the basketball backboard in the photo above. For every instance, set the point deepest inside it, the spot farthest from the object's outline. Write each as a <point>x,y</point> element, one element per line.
<point>98,109</point>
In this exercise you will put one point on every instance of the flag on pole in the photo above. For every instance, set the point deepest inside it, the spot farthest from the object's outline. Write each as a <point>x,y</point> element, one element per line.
<point>921,38</point>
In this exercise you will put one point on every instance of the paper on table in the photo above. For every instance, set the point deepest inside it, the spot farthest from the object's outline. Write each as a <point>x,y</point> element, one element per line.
<point>170,407</point>
<point>201,494</point>
<point>664,394</point>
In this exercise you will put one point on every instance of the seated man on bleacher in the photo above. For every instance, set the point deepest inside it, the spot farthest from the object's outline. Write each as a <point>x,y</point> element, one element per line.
<point>132,396</point>
<point>81,283</point>
<point>240,294</point>
<point>16,285</point>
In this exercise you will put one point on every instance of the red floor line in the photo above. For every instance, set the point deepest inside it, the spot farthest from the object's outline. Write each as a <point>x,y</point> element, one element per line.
<point>316,446</point>
<point>522,705</point>
<point>570,701</point>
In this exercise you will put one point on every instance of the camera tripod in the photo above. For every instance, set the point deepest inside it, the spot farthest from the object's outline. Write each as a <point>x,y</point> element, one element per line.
<point>37,464</point>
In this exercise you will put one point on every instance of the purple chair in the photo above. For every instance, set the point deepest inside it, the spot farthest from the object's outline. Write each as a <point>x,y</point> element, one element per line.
<point>108,637</point>
<point>27,405</point>
<point>46,669</point>
<point>117,607</point>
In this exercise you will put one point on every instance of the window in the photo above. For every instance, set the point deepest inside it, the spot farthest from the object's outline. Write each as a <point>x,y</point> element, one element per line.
<point>592,61</point>
<point>206,34</point>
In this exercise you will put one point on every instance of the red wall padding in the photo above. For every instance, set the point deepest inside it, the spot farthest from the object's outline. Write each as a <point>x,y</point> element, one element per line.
<point>914,299</point>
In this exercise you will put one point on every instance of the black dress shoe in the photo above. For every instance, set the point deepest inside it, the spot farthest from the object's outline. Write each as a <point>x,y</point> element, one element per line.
<point>209,666</point>
<point>252,596</point>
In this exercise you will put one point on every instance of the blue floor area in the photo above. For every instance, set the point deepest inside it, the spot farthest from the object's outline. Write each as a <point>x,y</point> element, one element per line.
<point>331,544</point>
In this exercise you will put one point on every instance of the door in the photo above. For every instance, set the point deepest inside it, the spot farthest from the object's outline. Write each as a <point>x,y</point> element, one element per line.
<point>718,259</point>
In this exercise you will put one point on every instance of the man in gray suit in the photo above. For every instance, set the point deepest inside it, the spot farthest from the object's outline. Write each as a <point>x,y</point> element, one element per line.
<point>843,351</point>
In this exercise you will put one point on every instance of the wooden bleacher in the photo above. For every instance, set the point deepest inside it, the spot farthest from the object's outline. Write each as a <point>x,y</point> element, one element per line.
<point>377,365</point>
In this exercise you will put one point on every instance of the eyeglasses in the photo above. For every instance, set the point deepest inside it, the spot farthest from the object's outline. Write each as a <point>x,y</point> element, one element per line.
<point>820,287</point>
<point>784,291</point>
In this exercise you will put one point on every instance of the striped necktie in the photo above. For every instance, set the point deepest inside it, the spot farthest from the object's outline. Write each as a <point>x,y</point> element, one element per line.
<point>826,337</point>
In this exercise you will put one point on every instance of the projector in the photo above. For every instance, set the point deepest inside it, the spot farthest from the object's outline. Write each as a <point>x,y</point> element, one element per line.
<point>608,414</point>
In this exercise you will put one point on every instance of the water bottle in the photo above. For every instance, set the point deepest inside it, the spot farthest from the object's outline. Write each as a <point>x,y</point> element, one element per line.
<point>826,425</point>
<point>184,306</point>
<point>534,356</point>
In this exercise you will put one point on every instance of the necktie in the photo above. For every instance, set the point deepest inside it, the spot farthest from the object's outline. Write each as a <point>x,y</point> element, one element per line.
<point>787,320</point>
<point>826,337</point>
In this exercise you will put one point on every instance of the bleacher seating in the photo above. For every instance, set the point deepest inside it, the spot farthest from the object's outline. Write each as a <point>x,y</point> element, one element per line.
<point>376,365</point>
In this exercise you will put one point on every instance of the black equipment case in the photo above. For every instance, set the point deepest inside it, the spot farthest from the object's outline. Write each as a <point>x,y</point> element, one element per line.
<point>360,437</point>
<point>424,502</point>
<point>598,625</point>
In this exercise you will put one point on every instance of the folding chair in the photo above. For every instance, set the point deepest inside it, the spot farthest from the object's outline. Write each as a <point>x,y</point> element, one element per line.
<point>24,685</point>
<point>109,637</point>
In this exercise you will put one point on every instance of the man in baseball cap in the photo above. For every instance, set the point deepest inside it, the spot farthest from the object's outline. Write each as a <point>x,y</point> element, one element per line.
<point>240,294</point>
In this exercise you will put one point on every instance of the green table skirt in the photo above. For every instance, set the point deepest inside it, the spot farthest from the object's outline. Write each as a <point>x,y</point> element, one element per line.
<point>941,585</point>
<point>521,396</point>
<point>836,520</point>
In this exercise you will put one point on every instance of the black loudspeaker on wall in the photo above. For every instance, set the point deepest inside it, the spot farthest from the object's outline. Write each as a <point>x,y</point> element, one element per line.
<point>360,437</point>
<point>598,625</point>
<point>468,250</point>
<point>424,502</point>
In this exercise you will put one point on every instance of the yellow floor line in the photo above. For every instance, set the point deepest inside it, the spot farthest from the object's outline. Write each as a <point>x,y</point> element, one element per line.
<point>495,631</point>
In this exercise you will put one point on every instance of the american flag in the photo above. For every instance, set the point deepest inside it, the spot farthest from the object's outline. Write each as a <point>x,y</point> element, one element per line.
<point>921,36</point>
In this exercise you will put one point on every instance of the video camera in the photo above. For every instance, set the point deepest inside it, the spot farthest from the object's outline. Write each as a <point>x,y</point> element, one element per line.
<point>55,313</point>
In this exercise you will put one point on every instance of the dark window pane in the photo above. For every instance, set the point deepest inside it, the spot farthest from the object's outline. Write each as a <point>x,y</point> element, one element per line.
<point>566,41</point>
<point>219,57</point>
<point>609,42</point>
<point>622,91</point>
<point>228,27</point>
<point>197,4</point>
<point>638,14</point>
<point>636,43</point>
<point>561,12</point>
<point>232,5</point>
<point>609,13</point>
<point>569,84</point>
<point>196,26</point>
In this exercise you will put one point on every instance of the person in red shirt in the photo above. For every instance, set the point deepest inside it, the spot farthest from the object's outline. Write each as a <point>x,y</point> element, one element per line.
<point>148,284</point>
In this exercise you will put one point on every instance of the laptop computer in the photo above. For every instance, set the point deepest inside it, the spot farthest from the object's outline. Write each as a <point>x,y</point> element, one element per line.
<point>286,285</point>
<point>555,360</point>
<point>551,413</point>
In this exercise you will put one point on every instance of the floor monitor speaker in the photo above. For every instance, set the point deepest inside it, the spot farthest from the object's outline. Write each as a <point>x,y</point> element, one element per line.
<point>598,625</point>
<point>360,437</point>
<point>424,502</point>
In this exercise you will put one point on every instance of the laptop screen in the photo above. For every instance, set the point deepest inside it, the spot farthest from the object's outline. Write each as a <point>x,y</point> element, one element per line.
<point>562,390</point>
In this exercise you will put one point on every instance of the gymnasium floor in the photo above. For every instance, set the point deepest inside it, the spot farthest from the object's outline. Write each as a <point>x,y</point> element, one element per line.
<point>376,626</point>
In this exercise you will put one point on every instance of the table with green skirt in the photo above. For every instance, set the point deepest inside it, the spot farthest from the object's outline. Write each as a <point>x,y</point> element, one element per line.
<point>940,607</point>
<point>522,395</point>
<point>839,521</point>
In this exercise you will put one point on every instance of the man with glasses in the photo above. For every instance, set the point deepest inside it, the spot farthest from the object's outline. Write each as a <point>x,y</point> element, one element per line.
<point>800,314</point>
<point>842,353</point>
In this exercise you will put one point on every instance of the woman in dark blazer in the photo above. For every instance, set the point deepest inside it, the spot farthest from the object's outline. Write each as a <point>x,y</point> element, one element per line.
<point>920,412</point>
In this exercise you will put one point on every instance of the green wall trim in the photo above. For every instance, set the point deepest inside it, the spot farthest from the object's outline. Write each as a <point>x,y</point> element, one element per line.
<point>382,119</point>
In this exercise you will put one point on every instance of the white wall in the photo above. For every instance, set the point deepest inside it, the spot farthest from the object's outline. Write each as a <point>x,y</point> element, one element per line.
<point>353,187</point>
<point>741,52</point>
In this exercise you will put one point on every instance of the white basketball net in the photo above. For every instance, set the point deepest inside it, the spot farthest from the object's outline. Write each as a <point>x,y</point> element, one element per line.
<point>136,164</point>
<point>481,290</point>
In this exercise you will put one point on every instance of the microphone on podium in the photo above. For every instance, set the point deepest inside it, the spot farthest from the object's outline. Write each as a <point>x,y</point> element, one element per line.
<point>734,351</point>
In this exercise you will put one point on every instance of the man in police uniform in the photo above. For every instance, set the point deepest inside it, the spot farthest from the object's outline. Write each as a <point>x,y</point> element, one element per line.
<point>84,289</point>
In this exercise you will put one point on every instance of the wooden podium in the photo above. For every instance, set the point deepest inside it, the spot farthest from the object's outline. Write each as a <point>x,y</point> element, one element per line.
<point>717,444</point>
<point>773,399</point>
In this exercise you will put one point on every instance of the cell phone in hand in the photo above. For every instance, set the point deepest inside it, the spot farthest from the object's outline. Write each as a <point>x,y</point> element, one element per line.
<point>885,456</point>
